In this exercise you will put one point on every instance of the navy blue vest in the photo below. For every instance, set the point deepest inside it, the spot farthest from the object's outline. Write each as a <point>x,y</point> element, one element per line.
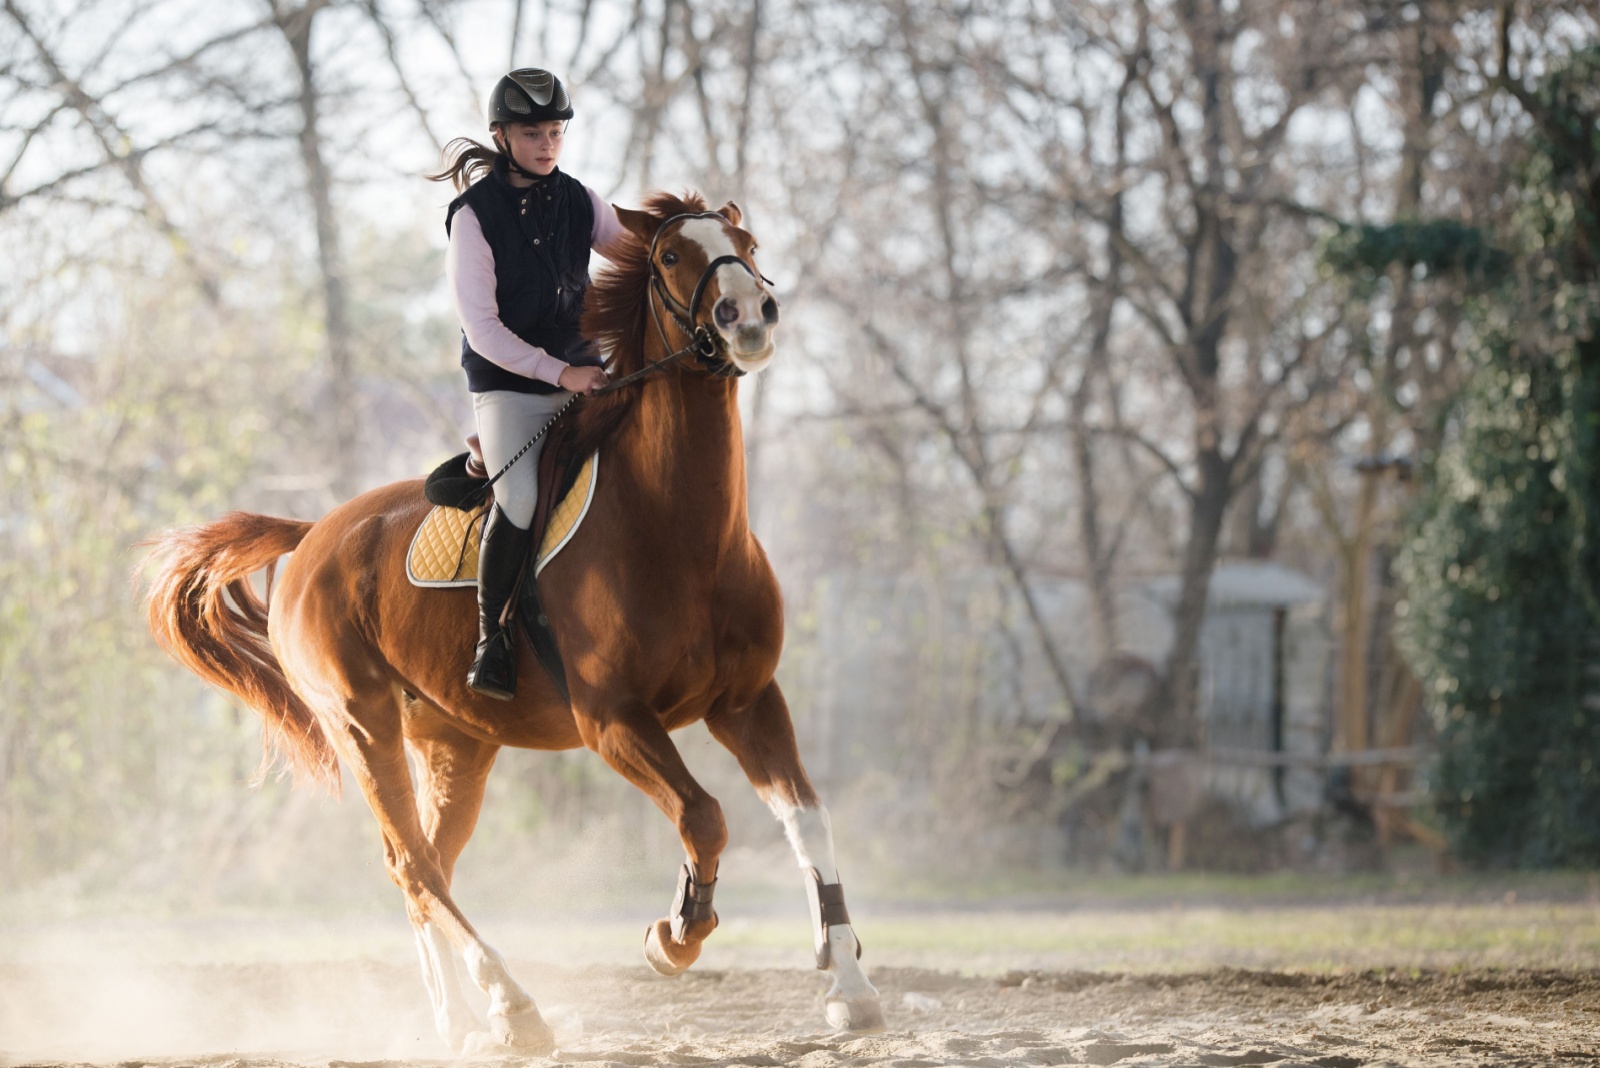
<point>540,237</point>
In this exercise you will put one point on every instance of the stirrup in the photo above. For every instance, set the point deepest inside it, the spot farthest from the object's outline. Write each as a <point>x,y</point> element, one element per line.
<point>494,672</point>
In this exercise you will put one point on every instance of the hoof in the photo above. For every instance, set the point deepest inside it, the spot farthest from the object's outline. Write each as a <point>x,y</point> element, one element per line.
<point>525,1030</point>
<point>663,954</point>
<point>861,1016</point>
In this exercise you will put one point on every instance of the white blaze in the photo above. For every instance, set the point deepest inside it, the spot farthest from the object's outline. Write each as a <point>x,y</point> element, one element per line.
<point>733,282</point>
<point>710,236</point>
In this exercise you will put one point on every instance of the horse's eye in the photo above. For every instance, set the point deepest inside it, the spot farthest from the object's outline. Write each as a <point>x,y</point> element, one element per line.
<point>668,259</point>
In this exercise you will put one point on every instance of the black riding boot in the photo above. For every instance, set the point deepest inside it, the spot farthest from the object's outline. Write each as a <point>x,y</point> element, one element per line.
<point>500,560</point>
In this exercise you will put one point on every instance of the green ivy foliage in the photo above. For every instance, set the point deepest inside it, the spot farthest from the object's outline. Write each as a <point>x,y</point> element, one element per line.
<point>1435,246</point>
<point>1502,620</point>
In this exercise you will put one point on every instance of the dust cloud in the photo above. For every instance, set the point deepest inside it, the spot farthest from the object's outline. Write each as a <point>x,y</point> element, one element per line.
<point>331,1015</point>
<point>1494,981</point>
<point>77,998</point>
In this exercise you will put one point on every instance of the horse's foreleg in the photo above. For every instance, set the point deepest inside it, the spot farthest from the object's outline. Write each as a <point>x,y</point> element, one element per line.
<point>369,741</point>
<point>762,738</point>
<point>452,771</point>
<point>633,741</point>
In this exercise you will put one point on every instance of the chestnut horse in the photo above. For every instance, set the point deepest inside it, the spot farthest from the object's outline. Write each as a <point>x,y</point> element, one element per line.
<point>664,606</point>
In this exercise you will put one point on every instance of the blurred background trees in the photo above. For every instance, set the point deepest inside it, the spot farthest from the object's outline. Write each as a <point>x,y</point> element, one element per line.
<point>1079,295</point>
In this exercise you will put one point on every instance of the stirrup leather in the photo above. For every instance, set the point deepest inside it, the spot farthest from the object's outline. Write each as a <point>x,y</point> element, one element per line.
<point>827,911</point>
<point>692,901</point>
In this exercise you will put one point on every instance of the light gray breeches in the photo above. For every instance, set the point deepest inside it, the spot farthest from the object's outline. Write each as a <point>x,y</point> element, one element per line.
<point>506,421</point>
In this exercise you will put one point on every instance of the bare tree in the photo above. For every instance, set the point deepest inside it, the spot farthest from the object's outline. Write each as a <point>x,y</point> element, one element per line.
<point>1153,201</point>
<point>1204,279</point>
<point>119,149</point>
<point>295,24</point>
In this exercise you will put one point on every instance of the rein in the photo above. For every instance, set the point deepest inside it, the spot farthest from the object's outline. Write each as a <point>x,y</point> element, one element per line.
<point>703,344</point>
<point>532,441</point>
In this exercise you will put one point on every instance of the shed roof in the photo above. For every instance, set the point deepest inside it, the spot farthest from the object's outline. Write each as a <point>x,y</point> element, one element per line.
<point>1248,582</point>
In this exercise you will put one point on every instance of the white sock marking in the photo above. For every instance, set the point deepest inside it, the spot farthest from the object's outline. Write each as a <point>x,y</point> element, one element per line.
<point>810,833</point>
<point>452,1016</point>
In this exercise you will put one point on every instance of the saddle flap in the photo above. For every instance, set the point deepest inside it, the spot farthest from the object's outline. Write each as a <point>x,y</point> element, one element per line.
<point>559,465</point>
<point>537,626</point>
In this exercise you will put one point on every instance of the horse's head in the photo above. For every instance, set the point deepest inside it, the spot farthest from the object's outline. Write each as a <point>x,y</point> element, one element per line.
<point>703,275</point>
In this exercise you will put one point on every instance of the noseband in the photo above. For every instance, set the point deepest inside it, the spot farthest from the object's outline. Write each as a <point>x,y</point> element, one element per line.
<point>706,343</point>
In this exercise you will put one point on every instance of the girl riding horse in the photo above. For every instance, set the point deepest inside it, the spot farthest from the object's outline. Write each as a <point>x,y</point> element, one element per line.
<point>518,268</point>
<point>666,607</point>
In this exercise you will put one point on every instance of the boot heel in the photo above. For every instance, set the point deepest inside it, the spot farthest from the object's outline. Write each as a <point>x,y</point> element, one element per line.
<point>495,672</point>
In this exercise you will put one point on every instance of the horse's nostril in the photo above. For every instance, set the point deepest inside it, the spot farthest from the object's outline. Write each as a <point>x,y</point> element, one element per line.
<point>769,310</point>
<point>727,311</point>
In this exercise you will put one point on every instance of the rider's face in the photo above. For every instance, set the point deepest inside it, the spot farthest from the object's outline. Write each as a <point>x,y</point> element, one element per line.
<point>536,146</point>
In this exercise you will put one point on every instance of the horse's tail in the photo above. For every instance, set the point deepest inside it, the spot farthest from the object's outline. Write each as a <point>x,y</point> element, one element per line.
<point>207,616</point>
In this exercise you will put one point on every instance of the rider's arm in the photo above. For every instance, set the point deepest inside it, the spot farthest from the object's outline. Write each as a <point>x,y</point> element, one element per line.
<point>608,229</point>
<point>469,268</point>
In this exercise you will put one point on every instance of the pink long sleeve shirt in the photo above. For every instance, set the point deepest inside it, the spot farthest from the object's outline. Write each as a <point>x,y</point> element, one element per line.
<point>469,268</point>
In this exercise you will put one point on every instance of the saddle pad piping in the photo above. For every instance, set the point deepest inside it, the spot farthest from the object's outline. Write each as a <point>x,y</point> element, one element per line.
<point>549,554</point>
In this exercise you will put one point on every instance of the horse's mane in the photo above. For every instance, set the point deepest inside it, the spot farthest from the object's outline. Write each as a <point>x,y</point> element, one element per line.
<point>616,316</point>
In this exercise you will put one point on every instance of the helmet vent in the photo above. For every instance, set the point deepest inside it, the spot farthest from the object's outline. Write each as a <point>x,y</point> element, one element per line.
<point>515,101</point>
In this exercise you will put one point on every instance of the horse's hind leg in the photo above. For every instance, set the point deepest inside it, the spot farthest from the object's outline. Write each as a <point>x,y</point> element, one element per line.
<point>452,770</point>
<point>632,740</point>
<point>369,741</point>
<point>762,738</point>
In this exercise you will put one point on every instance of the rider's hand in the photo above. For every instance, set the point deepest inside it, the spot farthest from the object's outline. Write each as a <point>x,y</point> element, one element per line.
<point>583,379</point>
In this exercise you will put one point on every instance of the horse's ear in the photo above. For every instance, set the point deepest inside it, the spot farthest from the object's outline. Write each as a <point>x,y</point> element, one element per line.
<point>640,224</point>
<point>731,212</point>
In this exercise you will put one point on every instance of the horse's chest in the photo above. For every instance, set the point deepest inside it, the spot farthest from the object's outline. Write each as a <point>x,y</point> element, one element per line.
<point>725,656</point>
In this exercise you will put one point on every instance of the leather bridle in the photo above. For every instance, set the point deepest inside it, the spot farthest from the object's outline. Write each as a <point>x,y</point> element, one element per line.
<point>705,343</point>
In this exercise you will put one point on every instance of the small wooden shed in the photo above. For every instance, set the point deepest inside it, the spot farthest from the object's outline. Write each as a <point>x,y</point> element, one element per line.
<point>884,665</point>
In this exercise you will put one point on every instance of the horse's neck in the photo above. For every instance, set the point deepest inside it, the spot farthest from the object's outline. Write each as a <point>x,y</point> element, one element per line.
<point>687,447</point>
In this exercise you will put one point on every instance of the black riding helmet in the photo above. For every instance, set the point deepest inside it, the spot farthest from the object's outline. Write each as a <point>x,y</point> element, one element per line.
<point>529,94</point>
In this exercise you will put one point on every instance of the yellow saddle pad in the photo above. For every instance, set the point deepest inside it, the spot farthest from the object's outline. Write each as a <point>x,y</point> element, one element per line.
<point>444,551</point>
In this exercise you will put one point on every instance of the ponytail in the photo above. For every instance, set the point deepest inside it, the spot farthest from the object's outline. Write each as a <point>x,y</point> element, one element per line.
<point>465,161</point>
